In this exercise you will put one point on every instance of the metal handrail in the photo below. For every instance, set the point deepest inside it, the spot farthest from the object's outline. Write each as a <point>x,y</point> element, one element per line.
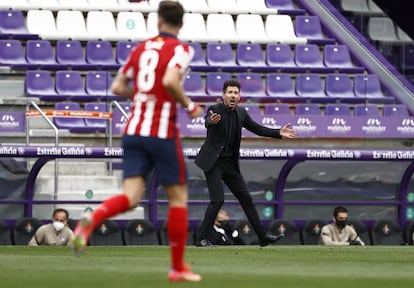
<point>113,103</point>
<point>55,130</point>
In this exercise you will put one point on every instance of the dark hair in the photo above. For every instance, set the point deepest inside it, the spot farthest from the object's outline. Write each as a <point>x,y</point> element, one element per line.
<point>57,210</point>
<point>338,210</point>
<point>230,82</point>
<point>171,12</point>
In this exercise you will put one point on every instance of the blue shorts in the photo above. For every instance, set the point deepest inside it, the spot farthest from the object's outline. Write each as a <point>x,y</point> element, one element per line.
<point>143,154</point>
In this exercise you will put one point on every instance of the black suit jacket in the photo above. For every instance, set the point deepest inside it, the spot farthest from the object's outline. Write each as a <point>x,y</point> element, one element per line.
<point>217,135</point>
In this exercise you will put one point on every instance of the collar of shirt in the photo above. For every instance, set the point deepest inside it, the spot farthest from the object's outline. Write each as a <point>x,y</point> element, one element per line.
<point>164,34</point>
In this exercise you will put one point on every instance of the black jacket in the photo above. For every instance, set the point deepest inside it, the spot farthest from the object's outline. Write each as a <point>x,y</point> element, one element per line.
<point>217,135</point>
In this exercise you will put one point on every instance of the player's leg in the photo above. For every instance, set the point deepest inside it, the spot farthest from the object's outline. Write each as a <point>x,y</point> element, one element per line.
<point>177,229</point>
<point>135,164</point>
<point>172,175</point>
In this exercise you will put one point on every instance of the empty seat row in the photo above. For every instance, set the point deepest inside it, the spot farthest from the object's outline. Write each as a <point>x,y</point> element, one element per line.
<point>216,56</point>
<point>283,86</point>
<point>69,85</point>
<point>281,57</point>
<point>134,26</point>
<point>198,6</point>
<point>384,29</point>
<point>367,7</point>
<point>331,109</point>
<point>95,124</point>
<point>95,85</point>
<point>40,54</point>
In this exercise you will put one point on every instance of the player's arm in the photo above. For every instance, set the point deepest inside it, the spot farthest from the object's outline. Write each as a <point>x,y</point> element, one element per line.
<point>172,82</point>
<point>37,238</point>
<point>120,86</point>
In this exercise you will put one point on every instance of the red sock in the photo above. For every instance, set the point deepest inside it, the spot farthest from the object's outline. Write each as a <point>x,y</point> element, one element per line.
<point>109,208</point>
<point>177,227</point>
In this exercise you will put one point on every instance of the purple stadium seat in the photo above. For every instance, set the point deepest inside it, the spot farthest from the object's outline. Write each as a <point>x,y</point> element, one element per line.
<point>123,48</point>
<point>309,27</point>
<point>277,109</point>
<point>214,82</point>
<point>118,118</point>
<point>367,86</point>
<point>308,55</point>
<point>395,110</point>
<point>338,57</point>
<point>99,124</point>
<point>69,84</point>
<point>75,125</point>
<point>40,54</point>
<point>339,109</point>
<point>284,6</point>
<point>280,56</point>
<point>220,55</point>
<point>70,53</point>
<point>252,108</point>
<point>310,85</point>
<point>250,55</point>
<point>370,110</point>
<point>100,55</point>
<point>280,85</point>
<point>307,109</point>
<point>40,84</point>
<point>339,86</point>
<point>193,85</point>
<point>199,60</point>
<point>98,85</point>
<point>13,25</point>
<point>12,53</point>
<point>407,56</point>
<point>251,85</point>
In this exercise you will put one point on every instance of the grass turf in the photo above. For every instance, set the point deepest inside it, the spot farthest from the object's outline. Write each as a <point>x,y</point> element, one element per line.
<point>235,267</point>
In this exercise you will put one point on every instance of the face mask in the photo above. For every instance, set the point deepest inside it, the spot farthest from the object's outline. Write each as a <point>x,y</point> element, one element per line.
<point>58,225</point>
<point>340,223</point>
<point>224,223</point>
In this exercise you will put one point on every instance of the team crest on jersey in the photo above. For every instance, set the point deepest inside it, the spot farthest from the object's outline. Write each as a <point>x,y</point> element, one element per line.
<point>29,227</point>
<point>139,229</point>
<point>103,229</point>
<point>386,229</point>
<point>246,229</point>
<point>316,229</point>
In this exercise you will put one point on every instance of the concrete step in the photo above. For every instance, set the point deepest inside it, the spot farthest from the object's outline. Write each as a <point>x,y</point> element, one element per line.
<point>11,88</point>
<point>84,167</point>
<point>76,184</point>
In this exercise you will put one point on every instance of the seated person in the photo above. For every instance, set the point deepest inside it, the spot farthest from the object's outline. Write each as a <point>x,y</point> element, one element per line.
<point>225,235</point>
<point>338,233</point>
<point>56,233</point>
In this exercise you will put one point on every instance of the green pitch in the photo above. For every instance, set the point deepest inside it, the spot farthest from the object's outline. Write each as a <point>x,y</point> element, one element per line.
<point>234,267</point>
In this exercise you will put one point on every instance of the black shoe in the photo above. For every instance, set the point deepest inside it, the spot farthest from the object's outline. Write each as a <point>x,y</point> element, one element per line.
<point>269,239</point>
<point>204,243</point>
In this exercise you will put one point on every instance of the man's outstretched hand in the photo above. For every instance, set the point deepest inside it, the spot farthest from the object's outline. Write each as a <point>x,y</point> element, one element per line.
<point>287,132</point>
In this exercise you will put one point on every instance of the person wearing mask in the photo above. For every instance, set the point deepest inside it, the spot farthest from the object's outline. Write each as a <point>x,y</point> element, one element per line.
<point>219,159</point>
<point>225,234</point>
<point>56,233</point>
<point>339,233</point>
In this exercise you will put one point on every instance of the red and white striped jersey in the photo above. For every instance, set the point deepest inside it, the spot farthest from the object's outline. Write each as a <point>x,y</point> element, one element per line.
<point>153,109</point>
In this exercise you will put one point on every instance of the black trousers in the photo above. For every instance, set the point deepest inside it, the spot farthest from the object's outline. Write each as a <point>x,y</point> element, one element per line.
<point>225,170</point>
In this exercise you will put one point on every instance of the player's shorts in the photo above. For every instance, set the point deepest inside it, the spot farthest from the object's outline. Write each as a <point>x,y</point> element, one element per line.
<point>143,154</point>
